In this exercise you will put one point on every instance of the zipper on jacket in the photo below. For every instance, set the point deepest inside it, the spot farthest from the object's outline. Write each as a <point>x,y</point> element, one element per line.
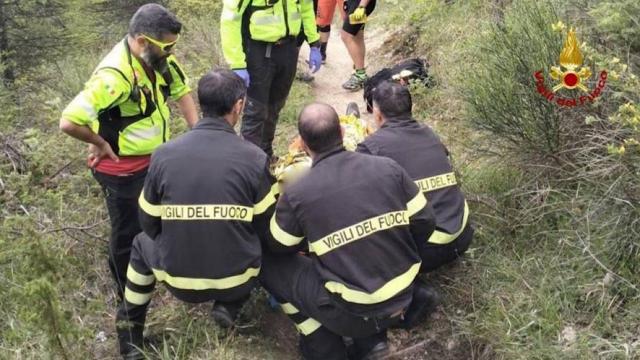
<point>286,17</point>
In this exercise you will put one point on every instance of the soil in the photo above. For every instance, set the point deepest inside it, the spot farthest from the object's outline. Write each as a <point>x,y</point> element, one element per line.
<point>327,85</point>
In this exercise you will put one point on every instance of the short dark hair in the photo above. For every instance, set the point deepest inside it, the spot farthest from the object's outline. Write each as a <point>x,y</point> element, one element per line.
<point>319,127</point>
<point>392,99</point>
<point>154,20</point>
<point>218,91</point>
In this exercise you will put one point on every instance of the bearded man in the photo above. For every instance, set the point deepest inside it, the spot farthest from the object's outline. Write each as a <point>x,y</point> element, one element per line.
<point>122,113</point>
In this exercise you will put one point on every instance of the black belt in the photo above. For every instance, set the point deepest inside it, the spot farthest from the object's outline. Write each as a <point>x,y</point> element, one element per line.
<point>270,45</point>
<point>285,40</point>
<point>282,41</point>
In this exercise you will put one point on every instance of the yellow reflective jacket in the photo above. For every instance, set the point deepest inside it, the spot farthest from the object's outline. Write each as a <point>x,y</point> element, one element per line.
<point>122,105</point>
<point>263,20</point>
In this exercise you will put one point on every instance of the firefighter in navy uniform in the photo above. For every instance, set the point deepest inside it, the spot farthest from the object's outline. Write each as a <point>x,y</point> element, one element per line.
<point>359,216</point>
<point>421,153</point>
<point>205,207</point>
<point>259,42</point>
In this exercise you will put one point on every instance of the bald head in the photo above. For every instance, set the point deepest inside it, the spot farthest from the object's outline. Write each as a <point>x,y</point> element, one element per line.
<point>319,127</point>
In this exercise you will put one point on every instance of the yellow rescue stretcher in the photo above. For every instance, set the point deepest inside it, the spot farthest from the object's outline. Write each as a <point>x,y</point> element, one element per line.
<point>296,162</point>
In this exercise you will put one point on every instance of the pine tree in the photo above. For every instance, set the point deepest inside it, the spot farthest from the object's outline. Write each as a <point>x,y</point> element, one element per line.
<point>113,15</point>
<point>32,32</point>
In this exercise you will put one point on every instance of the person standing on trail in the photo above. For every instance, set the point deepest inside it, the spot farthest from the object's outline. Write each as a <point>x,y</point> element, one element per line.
<point>202,225</point>
<point>123,114</point>
<point>421,153</point>
<point>354,14</point>
<point>359,216</point>
<point>324,18</point>
<point>304,75</point>
<point>259,44</point>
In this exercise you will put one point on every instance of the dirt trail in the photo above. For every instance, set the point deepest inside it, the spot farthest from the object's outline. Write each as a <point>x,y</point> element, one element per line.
<point>327,86</point>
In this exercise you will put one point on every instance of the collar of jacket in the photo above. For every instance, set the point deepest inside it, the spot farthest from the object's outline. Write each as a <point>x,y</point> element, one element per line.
<point>321,156</point>
<point>399,121</point>
<point>214,123</point>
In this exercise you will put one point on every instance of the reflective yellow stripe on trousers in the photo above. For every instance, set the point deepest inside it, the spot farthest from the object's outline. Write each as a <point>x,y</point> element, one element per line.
<point>139,279</point>
<point>136,297</point>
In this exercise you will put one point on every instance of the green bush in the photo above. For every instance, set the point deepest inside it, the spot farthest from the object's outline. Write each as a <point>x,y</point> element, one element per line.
<point>501,88</point>
<point>618,24</point>
<point>574,211</point>
<point>188,9</point>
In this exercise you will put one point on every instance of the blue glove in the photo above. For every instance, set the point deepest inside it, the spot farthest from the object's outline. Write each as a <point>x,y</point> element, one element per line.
<point>244,75</point>
<point>315,59</point>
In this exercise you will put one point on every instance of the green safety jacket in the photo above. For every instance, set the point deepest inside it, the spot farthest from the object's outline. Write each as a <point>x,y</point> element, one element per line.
<point>124,106</point>
<point>263,20</point>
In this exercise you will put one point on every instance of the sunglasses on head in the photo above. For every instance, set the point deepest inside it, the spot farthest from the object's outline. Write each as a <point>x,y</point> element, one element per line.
<point>166,47</point>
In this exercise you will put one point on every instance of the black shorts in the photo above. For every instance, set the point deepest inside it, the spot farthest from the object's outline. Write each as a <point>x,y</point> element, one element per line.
<point>349,7</point>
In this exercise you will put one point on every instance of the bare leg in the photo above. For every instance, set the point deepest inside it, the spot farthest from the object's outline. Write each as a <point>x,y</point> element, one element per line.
<point>355,46</point>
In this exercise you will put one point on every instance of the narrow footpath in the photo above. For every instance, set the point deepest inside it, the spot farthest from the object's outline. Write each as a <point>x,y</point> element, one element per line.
<point>327,85</point>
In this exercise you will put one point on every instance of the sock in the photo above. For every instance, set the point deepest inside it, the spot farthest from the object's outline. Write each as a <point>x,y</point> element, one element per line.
<point>323,49</point>
<point>361,73</point>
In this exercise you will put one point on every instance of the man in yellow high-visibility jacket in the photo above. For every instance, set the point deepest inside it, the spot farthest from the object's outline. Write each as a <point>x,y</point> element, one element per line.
<point>122,113</point>
<point>259,44</point>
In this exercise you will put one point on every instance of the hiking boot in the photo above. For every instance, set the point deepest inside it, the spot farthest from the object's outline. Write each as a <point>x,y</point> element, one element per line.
<point>424,302</point>
<point>130,340</point>
<point>378,352</point>
<point>352,109</point>
<point>355,82</point>
<point>133,354</point>
<point>370,348</point>
<point>225,315</point>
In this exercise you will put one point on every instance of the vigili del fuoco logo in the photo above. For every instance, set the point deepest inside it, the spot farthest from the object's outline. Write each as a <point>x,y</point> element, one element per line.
<point>570,75</point>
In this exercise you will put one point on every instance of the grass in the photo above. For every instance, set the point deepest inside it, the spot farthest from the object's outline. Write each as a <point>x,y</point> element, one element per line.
<point>537,282</point>
<point>56,293</point>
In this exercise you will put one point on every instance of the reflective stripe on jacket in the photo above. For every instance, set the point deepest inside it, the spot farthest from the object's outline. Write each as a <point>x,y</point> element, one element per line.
<point>421,153</point>
<point>360,216</point>
<point>206,202</point>
<point>132,119</point>
<point>263,20</point>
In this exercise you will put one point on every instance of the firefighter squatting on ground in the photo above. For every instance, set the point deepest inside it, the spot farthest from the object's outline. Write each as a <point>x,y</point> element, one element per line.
<point>339,245</point>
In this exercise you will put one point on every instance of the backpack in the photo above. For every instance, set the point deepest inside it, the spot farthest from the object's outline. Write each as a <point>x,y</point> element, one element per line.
<point>410,70</point>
